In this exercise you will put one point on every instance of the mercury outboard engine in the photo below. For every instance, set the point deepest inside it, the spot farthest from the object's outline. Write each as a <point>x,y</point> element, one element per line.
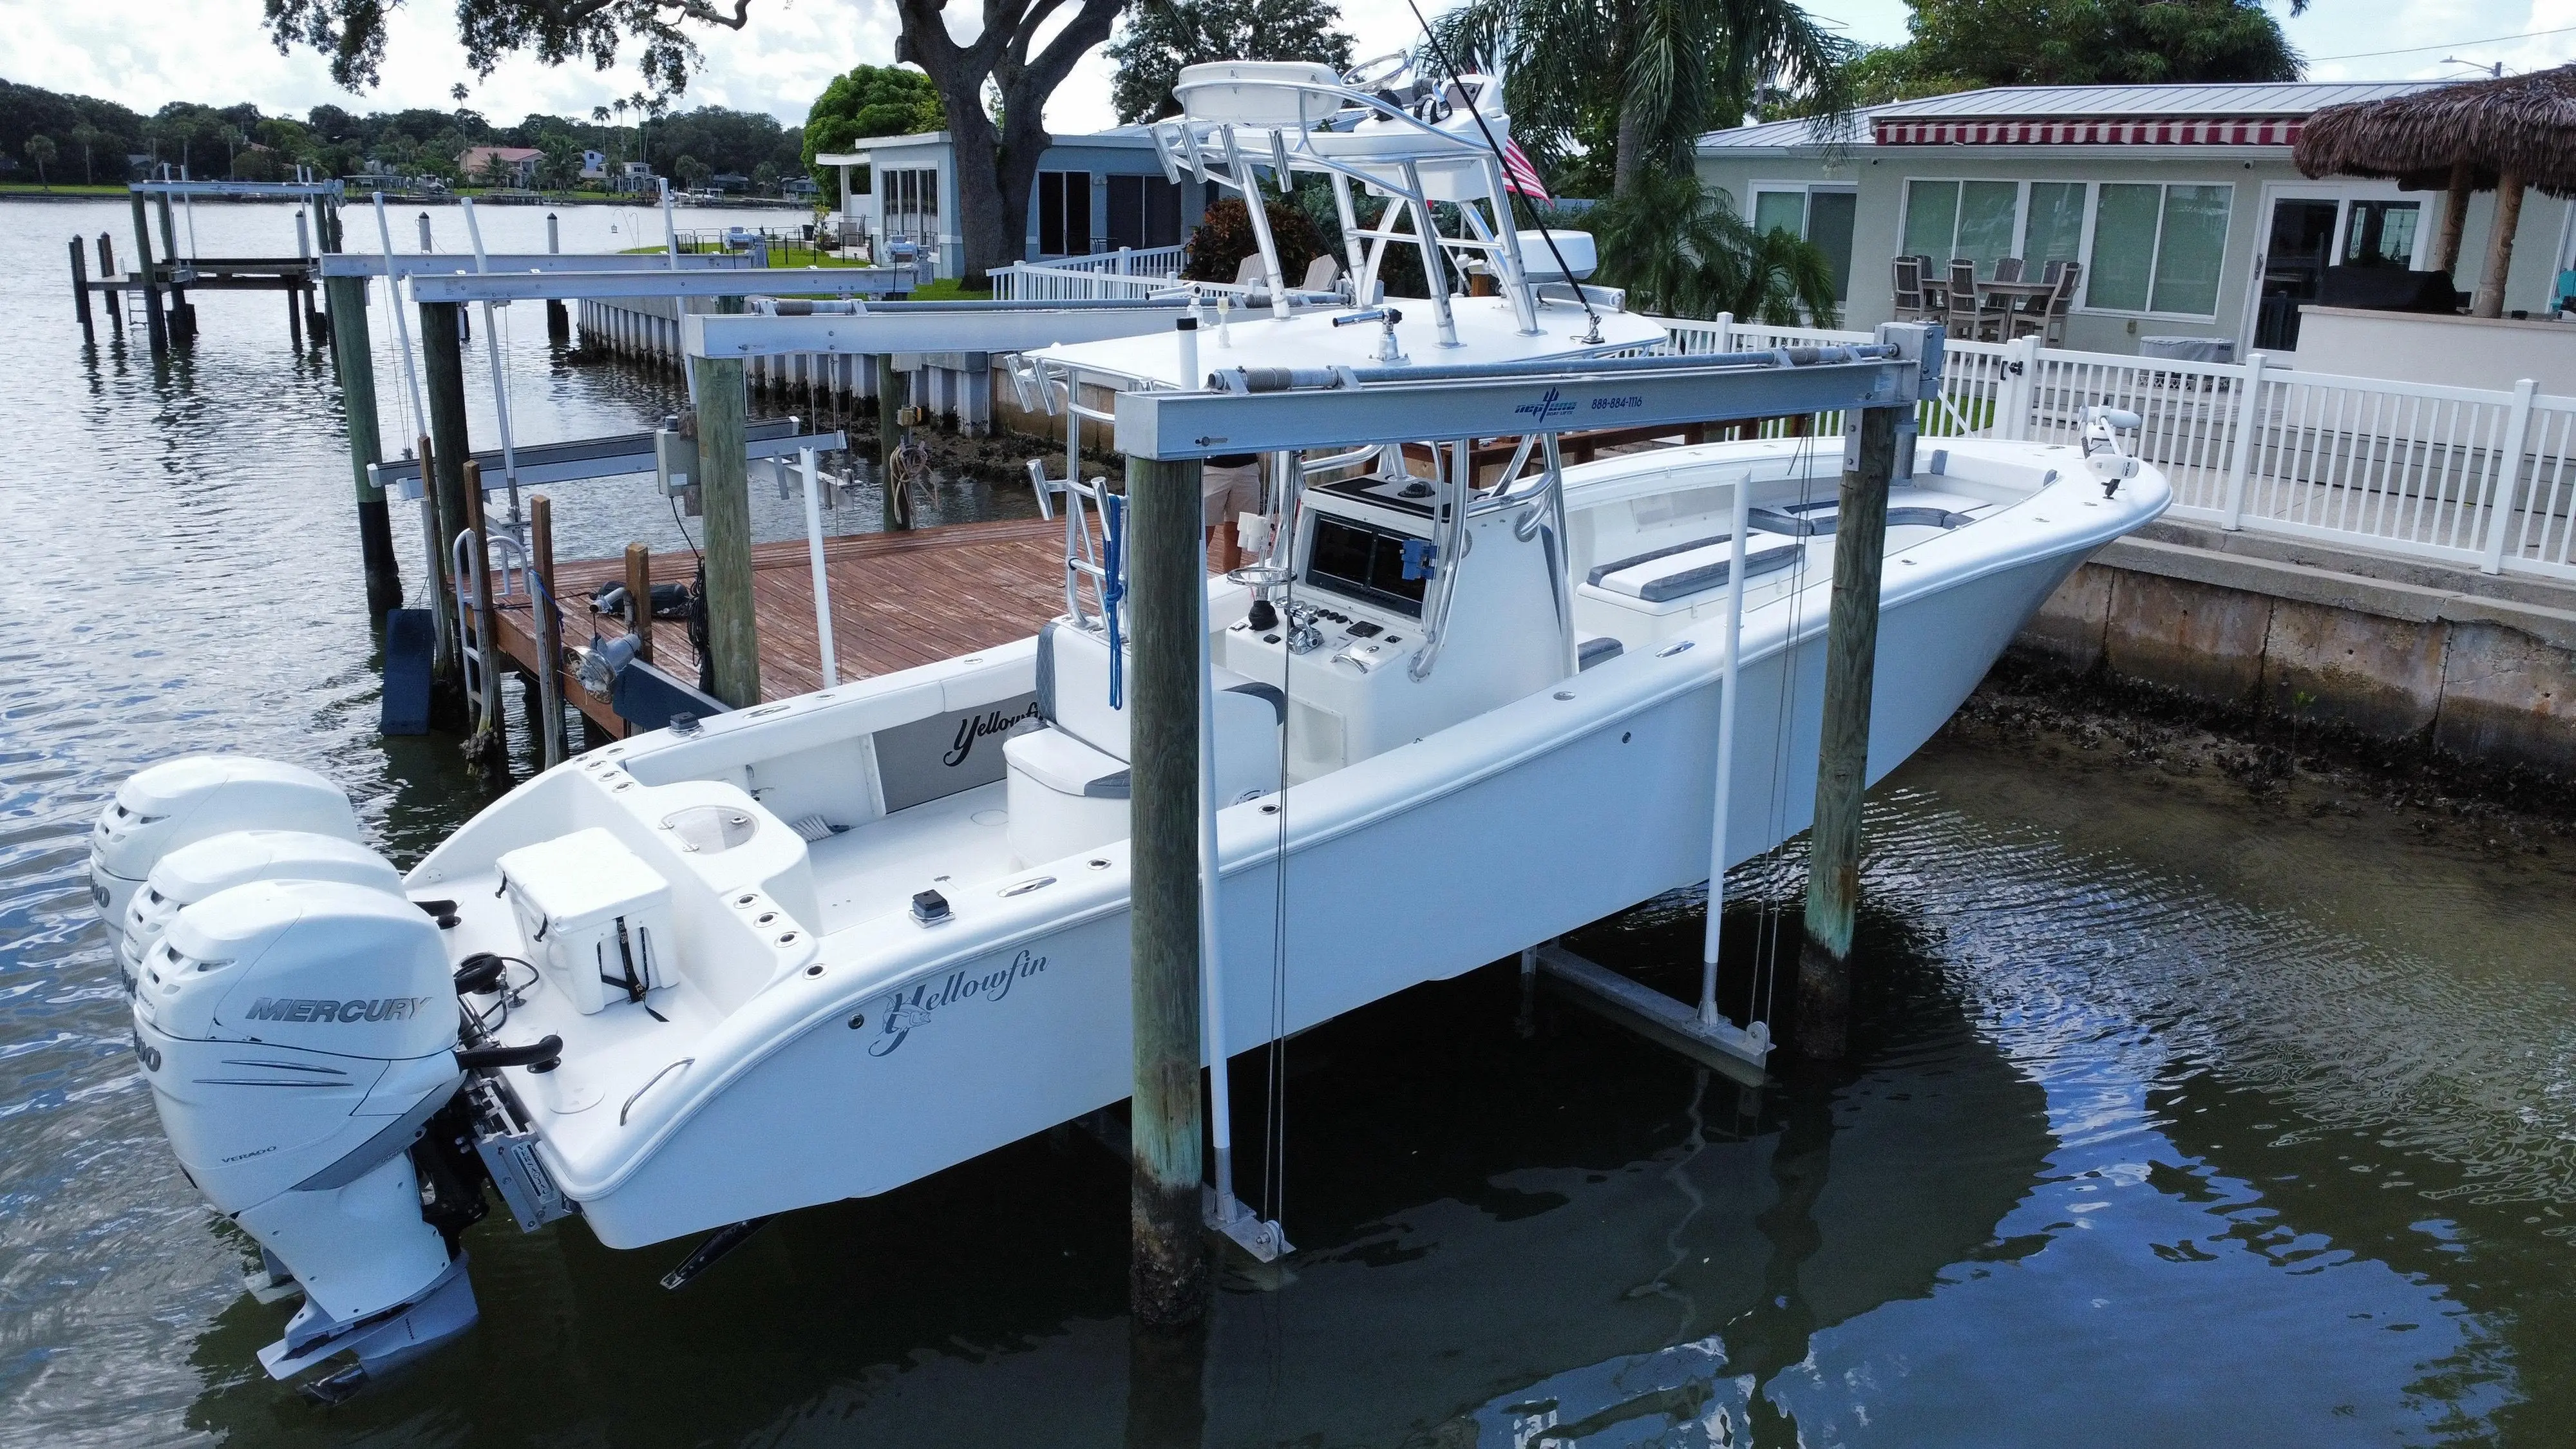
<point>298,1035</point>
<point>193,872</point>
<point>180,802</point>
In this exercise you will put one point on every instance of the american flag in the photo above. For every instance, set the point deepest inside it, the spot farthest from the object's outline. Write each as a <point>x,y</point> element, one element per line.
<point>1519,176</point>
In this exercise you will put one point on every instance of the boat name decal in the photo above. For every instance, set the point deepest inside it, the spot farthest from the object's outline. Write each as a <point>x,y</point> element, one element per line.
<point>382,1008</point>
<point>1546,407</point>
<point>913,1009</point>
<point>975,727</point>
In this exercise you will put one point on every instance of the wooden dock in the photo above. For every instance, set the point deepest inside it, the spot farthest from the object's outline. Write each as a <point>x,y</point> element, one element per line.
<point>898,600</point>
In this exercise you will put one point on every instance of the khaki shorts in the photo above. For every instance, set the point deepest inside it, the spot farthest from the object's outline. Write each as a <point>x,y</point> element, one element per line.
<point>1225,492</point>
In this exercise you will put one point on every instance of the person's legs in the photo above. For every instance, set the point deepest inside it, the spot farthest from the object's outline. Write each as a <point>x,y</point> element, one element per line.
<point>1227,491</point>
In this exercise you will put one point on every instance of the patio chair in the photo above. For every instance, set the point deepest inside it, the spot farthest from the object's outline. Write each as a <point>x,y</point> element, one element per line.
<point>1251,272</point>
<point>1910,305</point>
<point>1321,274</point>
<point>2046,320</point>
<point>2008,269</point>
<point>2049,273</point>
<point>1965,315</point>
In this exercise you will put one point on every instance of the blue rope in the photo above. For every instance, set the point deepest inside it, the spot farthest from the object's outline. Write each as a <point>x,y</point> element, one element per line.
<point>1113,586</point>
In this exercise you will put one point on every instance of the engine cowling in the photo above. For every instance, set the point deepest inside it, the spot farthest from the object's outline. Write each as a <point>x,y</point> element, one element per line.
<point>297,1035</point>
<point>191,873</point>
<point>179,802</point>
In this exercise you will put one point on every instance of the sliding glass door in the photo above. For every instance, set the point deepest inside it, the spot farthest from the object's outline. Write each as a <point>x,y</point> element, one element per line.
<point>2309,228</point>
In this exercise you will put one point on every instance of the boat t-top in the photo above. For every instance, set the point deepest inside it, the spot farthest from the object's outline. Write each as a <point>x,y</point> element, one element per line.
<point>1466,697</point>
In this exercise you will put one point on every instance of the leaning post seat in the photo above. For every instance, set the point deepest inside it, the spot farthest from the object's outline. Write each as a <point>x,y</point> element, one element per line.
<point>1068,773</point>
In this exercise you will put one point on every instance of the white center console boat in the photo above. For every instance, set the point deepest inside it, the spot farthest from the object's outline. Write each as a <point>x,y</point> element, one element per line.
<point>823,947</point>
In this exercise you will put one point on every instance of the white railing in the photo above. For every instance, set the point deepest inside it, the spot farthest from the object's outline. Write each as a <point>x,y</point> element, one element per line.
<point>1125,273</point>
<point>2463,475</point>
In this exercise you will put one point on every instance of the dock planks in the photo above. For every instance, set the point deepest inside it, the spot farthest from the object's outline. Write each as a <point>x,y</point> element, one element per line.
<point>898,600</point>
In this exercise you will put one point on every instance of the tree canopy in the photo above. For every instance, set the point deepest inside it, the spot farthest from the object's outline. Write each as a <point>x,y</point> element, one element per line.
<point>1162,36</point>
<point>1965,44</point>
<point>1632,83</point>
<point>100,135</point>
<point>997,148</point>
<point>868,101</point>
<point>1681,250</point>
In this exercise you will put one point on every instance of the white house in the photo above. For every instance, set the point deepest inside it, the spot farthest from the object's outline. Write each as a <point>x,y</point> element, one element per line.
<point>1093,193</point>
<point>2180,201</point>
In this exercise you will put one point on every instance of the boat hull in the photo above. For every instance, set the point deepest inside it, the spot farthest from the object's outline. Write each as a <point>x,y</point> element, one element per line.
<point>1400,870</point>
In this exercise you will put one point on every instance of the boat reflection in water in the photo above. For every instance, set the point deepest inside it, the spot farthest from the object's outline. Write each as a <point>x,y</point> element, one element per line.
<point>1509,1227</point>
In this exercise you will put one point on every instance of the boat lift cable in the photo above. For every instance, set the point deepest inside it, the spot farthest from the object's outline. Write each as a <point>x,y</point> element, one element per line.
<point>1274,1105</point>
<point>1545,233</point>
<point>500,374</point>
<point>1766,986</point>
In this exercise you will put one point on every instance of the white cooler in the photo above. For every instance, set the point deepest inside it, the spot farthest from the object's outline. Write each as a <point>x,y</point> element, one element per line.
<point>596,918</point>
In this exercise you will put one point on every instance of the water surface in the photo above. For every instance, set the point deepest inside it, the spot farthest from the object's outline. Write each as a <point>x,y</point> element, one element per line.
<point>2177,1116</point>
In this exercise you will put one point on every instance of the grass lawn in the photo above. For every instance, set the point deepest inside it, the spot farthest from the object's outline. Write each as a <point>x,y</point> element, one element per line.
<point>946,289</point>
<point>59,188</point>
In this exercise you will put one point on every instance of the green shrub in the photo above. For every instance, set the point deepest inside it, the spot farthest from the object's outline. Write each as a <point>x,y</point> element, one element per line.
<point>1224,238</point>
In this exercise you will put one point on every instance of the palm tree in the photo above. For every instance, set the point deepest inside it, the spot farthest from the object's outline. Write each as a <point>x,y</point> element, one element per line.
<point>40,149</point>
<point>87,137</point>
<point>1681,250</point>
<point>1653,74</point>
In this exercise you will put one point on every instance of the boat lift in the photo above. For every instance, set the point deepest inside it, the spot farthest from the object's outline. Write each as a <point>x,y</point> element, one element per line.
<point>1253,410</point>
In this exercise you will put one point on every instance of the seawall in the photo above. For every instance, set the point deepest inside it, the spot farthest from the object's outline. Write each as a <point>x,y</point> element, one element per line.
<point>2475,666</point>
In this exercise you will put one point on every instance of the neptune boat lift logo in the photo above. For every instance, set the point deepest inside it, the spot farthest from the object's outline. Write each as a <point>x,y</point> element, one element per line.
<point>1546,407</point>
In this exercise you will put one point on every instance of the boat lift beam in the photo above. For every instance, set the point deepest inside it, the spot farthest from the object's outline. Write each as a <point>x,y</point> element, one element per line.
<point>605,457</point>
<point>239,189</point>
<point>1388,406</point>
<point>502,284</point>
<point>428,264</point>
<point>903,327</point>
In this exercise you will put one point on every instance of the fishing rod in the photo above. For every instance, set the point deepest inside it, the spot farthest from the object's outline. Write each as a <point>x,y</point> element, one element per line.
<point>1441,55</point>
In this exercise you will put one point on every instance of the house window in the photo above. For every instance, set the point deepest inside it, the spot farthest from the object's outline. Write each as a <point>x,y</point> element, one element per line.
<point>911,204</point>
<point>1822,215</point>
<point>2146,247</point>
<point>2158,248</point>
<point>1144,211</point>
<point>1985,220</point>
<point>2381,234</point>
<point>1064,213</point>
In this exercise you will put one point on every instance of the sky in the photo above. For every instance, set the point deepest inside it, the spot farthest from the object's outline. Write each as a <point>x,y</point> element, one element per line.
<point>143,53</point>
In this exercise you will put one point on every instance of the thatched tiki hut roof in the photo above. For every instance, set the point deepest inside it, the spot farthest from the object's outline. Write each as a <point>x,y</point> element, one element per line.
<point>2499,135</point>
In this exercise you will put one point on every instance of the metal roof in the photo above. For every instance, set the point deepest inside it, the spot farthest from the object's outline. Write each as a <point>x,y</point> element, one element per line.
<point>2063,103</point>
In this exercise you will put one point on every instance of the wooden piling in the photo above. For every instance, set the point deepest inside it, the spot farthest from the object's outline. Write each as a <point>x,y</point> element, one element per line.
<point>639,597</point>
<point>443,380</point>
<point>183,318</point>
<point>898,517</point>
<point>357,369</point>
<point>107,273</point>
<point>733,644</point>
<point>541,563</point>
<point>155,326</point>
<point>1168,1268</point>
<point>1842,764</point>
<point>80,292</point>
<point>443,660</point>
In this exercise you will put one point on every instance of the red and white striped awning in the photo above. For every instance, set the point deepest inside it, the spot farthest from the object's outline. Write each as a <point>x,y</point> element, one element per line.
<point>2209,131</point>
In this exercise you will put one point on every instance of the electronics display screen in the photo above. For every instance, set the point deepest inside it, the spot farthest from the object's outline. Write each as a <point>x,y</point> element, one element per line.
<point>1355,559</point>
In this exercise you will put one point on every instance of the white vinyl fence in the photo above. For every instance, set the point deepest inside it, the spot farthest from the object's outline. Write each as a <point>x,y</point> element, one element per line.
<point>1128,272</point>
<point>2463,475</point>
